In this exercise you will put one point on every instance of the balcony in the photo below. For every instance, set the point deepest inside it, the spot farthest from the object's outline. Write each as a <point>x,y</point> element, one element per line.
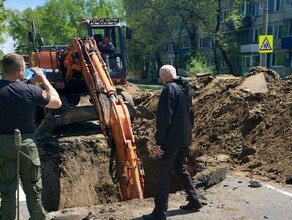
<point>286,43</point>
<point>249,48</point>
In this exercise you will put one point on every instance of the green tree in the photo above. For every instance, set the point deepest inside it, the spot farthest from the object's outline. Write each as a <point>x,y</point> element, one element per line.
<point>160,25</point>
<point>103,8</point>
<point>3,15</point>
<point>55,21</point>
<point>210,18</point>
<point>2,29</point>
<point>157,23</point>
<point>154,31</point>
<point>222,38</point>
<point>19,26</point>
<point>59,20</point>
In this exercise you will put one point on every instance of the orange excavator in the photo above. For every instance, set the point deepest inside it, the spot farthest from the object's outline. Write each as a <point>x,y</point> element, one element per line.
<point>80,68</point>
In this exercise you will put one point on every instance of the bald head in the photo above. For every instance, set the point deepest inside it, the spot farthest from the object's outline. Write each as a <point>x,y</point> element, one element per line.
<point>167,73</point>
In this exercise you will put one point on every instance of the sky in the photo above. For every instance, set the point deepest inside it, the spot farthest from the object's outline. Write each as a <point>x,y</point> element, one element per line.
<point>23,4</point>
<point>18,5</point>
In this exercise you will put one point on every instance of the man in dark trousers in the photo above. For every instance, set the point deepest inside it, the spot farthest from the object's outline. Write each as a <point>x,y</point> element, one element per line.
<point>173,138</point>
<point>18,102</point>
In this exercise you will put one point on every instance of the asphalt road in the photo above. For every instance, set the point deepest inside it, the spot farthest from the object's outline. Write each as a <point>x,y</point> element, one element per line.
<point>232,198</point>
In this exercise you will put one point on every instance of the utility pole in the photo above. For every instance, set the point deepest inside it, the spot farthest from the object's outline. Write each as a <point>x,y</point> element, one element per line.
<point>265,30</point>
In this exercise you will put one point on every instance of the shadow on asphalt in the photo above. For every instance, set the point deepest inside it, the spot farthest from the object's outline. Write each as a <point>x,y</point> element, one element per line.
<point>171,213</point>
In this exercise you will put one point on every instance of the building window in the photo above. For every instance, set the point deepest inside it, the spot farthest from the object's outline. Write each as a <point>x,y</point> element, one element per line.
<point>255,60</point>
<point>246,61</point>
<point>287,28</point>
<point>245,9</point>
<point>201,43</point>
<point>170,48</point>
<point>204,42</point>
<point>278,5</point>
<point>245,64</point>
<point>185,42</point>
<point>257,9</point>
<point>256,35</point>
<point>290,28</point>
<point>278,31</point>
<point>277,59</point>
<point>244,37</point>
<point>288,3</point>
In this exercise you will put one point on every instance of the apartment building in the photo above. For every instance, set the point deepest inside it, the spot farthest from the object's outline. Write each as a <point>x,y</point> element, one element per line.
<point>247,38</point>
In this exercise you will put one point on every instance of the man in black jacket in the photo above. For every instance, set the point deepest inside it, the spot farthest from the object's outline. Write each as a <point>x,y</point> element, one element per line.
<point>173,137</point>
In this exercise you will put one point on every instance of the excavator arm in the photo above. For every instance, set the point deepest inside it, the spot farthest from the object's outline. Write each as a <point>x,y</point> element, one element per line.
<point>126,167</point>
<point>78,69</point>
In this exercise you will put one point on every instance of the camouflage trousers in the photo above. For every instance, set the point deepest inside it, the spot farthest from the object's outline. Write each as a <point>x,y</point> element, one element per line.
<point>30,176</point>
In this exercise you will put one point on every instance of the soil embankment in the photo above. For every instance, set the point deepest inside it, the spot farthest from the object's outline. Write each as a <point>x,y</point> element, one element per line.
<point>235,127</point>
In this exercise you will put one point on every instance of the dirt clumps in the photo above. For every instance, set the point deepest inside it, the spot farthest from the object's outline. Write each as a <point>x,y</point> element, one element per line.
<point>252,131</point>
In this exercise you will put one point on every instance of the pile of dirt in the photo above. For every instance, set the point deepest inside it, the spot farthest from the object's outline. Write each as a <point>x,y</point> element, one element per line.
<point>253,130</point>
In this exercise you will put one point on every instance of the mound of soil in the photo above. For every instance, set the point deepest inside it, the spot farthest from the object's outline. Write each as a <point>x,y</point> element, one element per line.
<point>252,130</point>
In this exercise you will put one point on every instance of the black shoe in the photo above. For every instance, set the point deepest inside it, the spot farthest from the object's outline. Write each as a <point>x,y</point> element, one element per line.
<point>153,217</point>
<point>191,207</point>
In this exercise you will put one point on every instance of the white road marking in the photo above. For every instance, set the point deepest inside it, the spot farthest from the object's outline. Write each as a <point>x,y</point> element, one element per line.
<point>24,214</point>
<point>279,190</point>
<point>21,194</point>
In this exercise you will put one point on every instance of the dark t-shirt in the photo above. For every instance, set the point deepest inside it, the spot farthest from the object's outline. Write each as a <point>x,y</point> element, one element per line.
<point>106,49</point>
<point>18,102</point>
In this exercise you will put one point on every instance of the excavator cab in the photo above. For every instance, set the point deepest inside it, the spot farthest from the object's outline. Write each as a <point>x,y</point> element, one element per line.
<point>116,33</point>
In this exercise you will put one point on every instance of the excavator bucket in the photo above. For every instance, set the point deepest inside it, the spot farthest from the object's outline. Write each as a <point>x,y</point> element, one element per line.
<point>74,114</point>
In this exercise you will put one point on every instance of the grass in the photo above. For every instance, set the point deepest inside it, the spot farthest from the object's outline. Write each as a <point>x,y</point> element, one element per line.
<point>149,86</point>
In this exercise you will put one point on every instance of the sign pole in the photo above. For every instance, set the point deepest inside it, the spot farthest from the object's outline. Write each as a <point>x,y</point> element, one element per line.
<point>265,30</point>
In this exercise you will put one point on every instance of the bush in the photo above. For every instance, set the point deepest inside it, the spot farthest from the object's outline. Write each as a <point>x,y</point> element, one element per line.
<point>198,65</point>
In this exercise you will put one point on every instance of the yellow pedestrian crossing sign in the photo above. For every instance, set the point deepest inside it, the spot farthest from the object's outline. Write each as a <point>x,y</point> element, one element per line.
<point>266,43</point>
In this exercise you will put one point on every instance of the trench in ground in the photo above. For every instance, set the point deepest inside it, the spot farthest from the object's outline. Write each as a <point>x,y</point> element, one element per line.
<point>75,168</point>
